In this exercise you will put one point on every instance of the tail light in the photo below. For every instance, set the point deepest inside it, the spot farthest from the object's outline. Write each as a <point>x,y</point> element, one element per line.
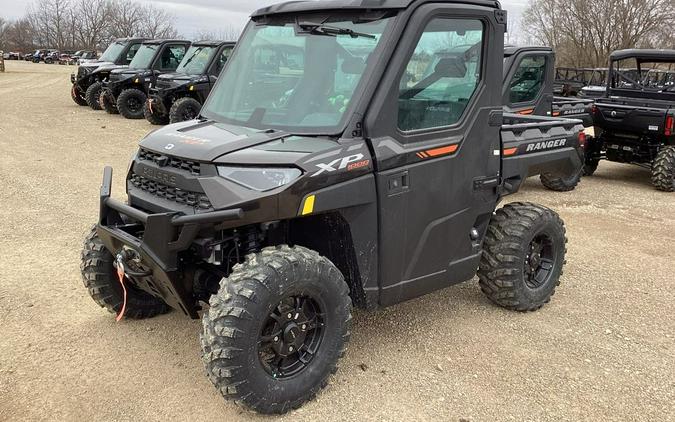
<point>594,109</point>
<point>582,139</point>
<point>670,123</point>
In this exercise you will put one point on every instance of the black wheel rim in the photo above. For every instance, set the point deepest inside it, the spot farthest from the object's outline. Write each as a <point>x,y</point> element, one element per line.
<point>134,104</point>
<point>539,261</point>
<point>291,336</point>
<point>189,113</point>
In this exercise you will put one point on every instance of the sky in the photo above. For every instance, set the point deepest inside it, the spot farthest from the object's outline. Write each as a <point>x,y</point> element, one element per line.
<point>195,16</point>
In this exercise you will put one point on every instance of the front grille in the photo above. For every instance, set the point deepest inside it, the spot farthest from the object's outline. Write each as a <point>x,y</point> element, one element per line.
<point>170,193</point>
<point>83,71</point>
<point>190,166</point>
<point>162,84</point>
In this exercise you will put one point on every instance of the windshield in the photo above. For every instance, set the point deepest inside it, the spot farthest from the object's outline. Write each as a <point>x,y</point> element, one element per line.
<point>144,56</point>
<point>196,59</point>
<point>112,52</point>
<point>298,77</point>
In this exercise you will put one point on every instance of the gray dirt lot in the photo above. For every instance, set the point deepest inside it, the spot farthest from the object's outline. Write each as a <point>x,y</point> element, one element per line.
<point>603,349</point>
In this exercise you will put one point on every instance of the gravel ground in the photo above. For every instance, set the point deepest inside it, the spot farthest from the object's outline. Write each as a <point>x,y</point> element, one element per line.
<point>603,349</point>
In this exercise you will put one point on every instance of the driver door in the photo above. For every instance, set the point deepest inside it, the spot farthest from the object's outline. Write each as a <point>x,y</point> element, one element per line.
<point>434,136</point>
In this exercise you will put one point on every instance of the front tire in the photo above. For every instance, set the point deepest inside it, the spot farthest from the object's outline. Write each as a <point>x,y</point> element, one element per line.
<point>523,256</point>
<point>107,102</point>
<point>130,103</point>
<point>93,94</point>
<point>154,118</point>
<point>274,332</point>
<point>100,279</point>
<point>186,108</point>
<point>663,170</point>
<point>77,95</point>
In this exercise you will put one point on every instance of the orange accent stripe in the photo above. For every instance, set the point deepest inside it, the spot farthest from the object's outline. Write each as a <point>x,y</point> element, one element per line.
<point>528,111</point>
<point>419,154</point>
<point>448,149</point>
<point>556,113</point>
<point>510,151</point>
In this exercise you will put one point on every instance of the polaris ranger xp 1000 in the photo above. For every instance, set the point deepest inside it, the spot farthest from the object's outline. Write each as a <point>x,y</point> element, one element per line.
<point>178,96</point>
<point>635,120</point>
<point>340,173</point>
<point>126,90</point>
<point>87,83</point>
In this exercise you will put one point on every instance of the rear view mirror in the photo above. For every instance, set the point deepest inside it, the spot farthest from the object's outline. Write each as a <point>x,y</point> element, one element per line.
<point>450,67</point>
<point>353,66</point>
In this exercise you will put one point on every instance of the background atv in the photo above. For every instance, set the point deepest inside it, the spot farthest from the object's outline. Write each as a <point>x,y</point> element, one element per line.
<point>125,91</point>
<point>176,97</point>
<point>351,170</point>
<point>528,90</point>
<point>88,81</point>
<point>635,121</point>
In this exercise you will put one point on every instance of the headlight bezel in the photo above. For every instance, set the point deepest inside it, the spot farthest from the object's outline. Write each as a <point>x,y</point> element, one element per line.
<point>259,179</point>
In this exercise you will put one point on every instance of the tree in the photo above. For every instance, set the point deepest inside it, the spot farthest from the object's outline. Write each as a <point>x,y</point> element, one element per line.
<point>584,33</point>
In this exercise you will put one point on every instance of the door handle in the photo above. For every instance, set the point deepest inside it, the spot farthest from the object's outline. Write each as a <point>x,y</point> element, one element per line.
<point>398,183</point>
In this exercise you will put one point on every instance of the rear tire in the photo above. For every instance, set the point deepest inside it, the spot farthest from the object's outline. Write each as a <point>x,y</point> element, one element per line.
<point>107,102</point>
<point>590,166</point>
<point>186,108</point>
<point>154,118</point>
<point>523,256</point>
<point>663,170</point>
<point>93,94</point>
<point>130,103</point>
<point>561,183</point>
<point>100,279</point>
<point>77,96</point>
<point>258,316</point>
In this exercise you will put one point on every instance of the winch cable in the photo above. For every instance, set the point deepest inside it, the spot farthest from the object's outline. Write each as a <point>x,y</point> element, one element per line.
<point>119,265</point>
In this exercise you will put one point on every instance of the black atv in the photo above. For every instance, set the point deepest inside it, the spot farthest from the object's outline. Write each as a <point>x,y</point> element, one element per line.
<point>635,121</point>
<point>347,170</point>
<point>126,90</point>
<point>88,81</point>
<point>179,96</point>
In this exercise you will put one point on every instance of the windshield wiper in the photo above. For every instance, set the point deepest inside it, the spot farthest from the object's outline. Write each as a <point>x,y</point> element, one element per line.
<point>193,55</point>
<point>331,31</point>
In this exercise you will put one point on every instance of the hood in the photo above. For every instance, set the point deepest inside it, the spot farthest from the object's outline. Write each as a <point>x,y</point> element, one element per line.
<point>96,63</point>
<point>107,67</point>
<point>206,141</point>
<point>174,80</point>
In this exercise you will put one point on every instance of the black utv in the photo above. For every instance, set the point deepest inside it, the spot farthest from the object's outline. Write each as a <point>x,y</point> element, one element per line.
<point>126,90</point>
<point>351,174</point>
<point>87,83</point>
<point>635,120</point>
<point>176,97</point>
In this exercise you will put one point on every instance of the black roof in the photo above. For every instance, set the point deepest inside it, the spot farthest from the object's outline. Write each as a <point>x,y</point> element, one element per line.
<point>346,5</point>
<point>212,43</point>
<point>129,39</point>
<point>511,50</point>
<point>162,41</point>
<point>644,55</point>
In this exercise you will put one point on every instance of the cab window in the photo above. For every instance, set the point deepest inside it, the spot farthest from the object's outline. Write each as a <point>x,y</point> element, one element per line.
<point>132,52</point>
<point>221,60</point>
<point>528,80</point>
<point>442,74</point>
<point>171,57</point>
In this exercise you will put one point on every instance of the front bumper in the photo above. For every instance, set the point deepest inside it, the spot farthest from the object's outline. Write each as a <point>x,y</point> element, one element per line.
<point>157,239</point>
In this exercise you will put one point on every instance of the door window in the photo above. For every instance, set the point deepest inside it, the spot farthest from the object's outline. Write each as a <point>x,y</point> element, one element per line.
<point>132,52</point>
<point>222,59</point>
<point>442,74</point>
<point>528,80</point>
<point>171,57</point>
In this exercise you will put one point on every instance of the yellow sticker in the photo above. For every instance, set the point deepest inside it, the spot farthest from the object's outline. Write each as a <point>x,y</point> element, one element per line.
<point>308,207</point>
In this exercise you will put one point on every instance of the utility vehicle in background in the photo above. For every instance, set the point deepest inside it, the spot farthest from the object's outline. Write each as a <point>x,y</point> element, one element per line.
<point>176,97</point>
<point>88,81</point>
<point>353,175</point>
<point>635,121</point>
<point>126,90</point>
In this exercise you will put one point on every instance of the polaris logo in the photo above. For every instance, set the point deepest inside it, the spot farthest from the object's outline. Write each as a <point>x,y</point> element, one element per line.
<point>538,146</point>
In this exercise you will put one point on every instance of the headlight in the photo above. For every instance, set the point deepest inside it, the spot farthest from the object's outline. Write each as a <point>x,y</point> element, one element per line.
<point>260,179</point>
